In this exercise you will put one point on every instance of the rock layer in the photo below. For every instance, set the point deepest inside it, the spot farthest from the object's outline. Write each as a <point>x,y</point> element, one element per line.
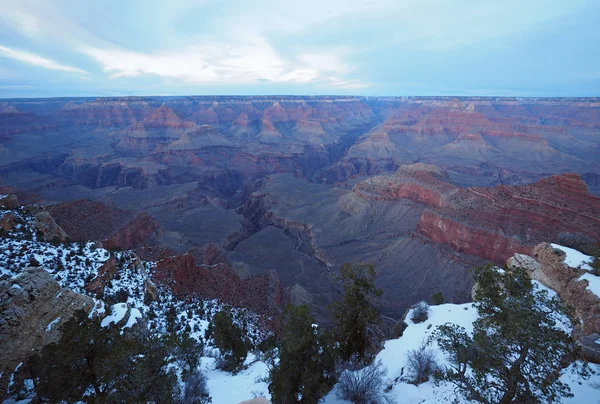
<point>85,220</point>
<point>32,308</point>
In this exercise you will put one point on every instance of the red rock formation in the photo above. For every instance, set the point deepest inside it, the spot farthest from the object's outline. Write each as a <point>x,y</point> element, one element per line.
<point>515,218</point>
<point>489,244</point>
<point>187,276</point>
<point>491,223</point>
<point>420,182</point>
<point>88,220</point>
<point>165,117</point>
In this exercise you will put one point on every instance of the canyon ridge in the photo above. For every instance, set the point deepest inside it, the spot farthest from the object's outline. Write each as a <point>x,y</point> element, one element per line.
<point>245,197</point>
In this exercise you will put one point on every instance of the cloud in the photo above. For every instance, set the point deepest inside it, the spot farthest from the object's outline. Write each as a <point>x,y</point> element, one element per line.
<point>245,61</point>
<point>36,60</point>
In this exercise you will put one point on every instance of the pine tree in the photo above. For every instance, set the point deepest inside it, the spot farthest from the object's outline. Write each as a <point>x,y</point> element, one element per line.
<point>355,315</point>
<point>101,360</point>
<point>304,371</point>
<point>230,339</point>
<point>516,349</point>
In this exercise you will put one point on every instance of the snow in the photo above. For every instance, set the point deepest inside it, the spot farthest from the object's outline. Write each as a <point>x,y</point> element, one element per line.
<point>52,324</point>
<point>118,312</point>
<point>15,286</point>
<point>227,388</point>
<point>134,314</point>
<point>75,264</point>
<point>72,263</point>
<point>574,258</point>
<point>593,283</point>
<point>393,357</point>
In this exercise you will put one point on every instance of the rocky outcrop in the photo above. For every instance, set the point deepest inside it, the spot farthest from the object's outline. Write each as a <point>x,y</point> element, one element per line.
<point>86,220</point>
<point>489,244</point>
<point>44,223</point>
<point>546,265</point>
<point>9,202</point>
<point>187,276</point>
<point>32,308</point>
<point>106,273</point>
<point>490,223</point>
<point>422,183</point>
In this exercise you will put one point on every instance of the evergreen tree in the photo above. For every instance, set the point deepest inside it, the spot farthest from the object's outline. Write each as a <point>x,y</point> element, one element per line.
<point>189,352</point>
<point>517,347</point>
<point>91,360</point>
<point>355,315</point>
<point>304,371</point>
<point>230,339</point>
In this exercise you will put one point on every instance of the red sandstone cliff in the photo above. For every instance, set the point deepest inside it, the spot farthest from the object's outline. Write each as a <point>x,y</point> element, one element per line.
<point>207,273</point>
<point>86,220</point>
<point>491,223</point>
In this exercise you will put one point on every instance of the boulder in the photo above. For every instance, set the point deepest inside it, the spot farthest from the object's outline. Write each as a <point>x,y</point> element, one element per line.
<point>590,347</point>
<point>547,265</point>
<point>44,223</point>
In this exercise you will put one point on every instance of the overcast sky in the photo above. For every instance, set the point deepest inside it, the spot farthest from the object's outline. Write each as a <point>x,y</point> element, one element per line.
<point>395,47</point>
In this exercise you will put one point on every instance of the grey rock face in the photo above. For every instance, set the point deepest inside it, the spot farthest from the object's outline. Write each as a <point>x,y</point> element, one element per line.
<point>33,306</point>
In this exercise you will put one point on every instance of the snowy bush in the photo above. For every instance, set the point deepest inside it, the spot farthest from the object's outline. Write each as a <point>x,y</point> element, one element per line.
<point>420,313</point>
<point>420,364</point>
<point>196,390</point>
<point>363,386</point>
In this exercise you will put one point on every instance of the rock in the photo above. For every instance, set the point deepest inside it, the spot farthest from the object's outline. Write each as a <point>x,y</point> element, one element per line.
<point>43,222</point>
<point>9,202</point>
<point>8,221</point>
<point>106,273</point>
<point>262,293</point>
<point>150,291</point>
<point>550,269</point>
<point>33,306</point>
<point>523,261</point>
<point>85,220</point>
<point>590,348</point>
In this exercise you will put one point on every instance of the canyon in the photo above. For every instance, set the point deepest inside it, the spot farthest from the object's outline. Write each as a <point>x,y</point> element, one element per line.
<point>268,196</point>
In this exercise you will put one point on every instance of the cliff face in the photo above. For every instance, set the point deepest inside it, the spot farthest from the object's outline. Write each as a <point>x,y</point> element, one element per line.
<point>86,220</point>
<point>32,308</point>
<point>207,273</point>
<point>482,135</point>
<point>491,223</point>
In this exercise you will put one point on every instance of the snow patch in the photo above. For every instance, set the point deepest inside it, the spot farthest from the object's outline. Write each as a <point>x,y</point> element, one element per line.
<point>574,258</point>
<point>118,312</point>
<point>52,324</point>
<point>593,283</point>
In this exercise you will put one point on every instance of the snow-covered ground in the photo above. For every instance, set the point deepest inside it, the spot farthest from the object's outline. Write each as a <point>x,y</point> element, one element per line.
<point>393,357</point>
<point>73,265</point>
<point>579,260</point>
<point>574,258</point>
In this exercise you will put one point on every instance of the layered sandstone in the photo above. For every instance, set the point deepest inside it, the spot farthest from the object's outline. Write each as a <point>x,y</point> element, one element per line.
<point>491,223</point>
<point>86,220</point>
<point>206,272</point>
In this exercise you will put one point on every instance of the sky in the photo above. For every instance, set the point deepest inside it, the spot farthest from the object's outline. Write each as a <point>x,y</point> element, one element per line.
<point>54,48</point>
